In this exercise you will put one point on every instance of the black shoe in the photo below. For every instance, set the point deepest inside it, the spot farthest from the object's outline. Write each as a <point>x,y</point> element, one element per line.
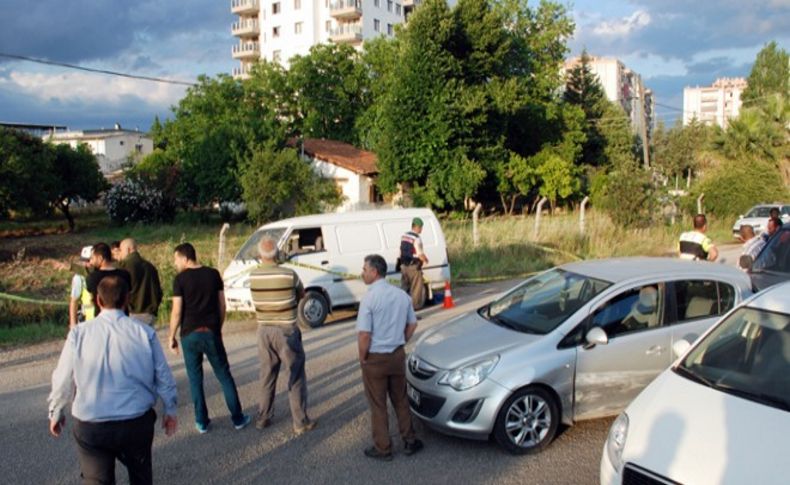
<point>412,447</point>
<point>373,452</point>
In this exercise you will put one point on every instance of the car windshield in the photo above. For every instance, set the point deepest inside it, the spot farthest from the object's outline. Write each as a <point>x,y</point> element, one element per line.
<point>759,212</point>
<point>544,301</point>
<point>250,249</point>
<point>747,355</point>
<point>775,257</point>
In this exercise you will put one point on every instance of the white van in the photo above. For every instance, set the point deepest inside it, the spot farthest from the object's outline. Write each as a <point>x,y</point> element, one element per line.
<point>327,252</point>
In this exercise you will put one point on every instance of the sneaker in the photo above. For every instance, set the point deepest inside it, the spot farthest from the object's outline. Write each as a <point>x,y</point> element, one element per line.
<point>202,428</point>
<point>244,422</point>
<point>304,428</point>
<point>373,452</point>
<point>412,447</point>
<point>262,422</point>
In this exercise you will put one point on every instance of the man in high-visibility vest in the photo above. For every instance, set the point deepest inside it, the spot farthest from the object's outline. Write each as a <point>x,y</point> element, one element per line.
<point>81,306</point>
<point>695,245</point>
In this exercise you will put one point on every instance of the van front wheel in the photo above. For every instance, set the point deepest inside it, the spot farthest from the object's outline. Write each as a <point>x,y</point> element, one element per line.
<point>312,310</point>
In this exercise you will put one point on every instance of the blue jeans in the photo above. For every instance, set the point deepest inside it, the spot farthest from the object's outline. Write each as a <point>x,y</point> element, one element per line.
<point>194,346</point>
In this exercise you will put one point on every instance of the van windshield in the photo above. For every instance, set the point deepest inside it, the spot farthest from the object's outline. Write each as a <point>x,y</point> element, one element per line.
<point>544,301</point>
<point>250,249</point>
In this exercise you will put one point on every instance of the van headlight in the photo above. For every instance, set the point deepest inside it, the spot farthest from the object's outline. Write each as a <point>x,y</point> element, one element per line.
<point>615,443</point>
<point>469,376</point>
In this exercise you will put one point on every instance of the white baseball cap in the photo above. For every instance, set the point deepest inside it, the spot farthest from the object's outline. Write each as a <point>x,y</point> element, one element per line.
<point>85,253</point>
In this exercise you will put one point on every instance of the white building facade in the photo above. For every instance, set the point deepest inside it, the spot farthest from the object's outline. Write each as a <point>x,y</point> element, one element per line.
<point>716,104</point>
<point>277,30</point>
<point>114,148</point>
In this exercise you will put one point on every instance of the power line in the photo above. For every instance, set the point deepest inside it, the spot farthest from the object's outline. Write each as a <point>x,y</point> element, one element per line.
<point>98,71</point>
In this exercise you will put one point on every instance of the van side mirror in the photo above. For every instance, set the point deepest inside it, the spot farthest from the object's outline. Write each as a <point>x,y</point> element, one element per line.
<point>595,336</point>
<point>745,262</point>
<point>680,347</point>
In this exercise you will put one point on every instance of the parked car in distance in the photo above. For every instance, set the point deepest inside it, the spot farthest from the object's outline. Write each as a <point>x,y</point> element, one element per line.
<point>721,414</point>
<point>772,265</point>
<point>327,252</point>
<point>758,216</point>
<point>575,342</point>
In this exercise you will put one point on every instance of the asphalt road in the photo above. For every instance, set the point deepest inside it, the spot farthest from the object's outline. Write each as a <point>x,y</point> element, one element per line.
<point>332,453</point>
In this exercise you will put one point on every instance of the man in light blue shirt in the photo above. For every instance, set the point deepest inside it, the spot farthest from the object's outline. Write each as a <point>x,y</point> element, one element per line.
<point>115,369</point>
<point>385,322</point>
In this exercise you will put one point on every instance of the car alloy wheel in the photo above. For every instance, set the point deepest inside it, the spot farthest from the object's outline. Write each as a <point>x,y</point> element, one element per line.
<point>528,421</point>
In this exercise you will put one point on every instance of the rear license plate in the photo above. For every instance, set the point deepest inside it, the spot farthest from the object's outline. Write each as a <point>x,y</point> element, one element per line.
<point>413,394</point>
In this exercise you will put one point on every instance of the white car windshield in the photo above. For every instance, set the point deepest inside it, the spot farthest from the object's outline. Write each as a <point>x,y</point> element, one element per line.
<point>250,249</point>
<point>760,212</point>
<point>544,301</point>
<point>747,355</point>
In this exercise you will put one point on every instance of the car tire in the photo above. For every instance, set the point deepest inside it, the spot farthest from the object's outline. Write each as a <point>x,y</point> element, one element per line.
<point>528,421</point>
<point>312,310</point>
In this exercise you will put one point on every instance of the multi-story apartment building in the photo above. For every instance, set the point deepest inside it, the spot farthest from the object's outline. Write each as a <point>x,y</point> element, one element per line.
<point>624,87</point>
<point>114,148</point>
<point>277,30</point>
<point>717,104</point>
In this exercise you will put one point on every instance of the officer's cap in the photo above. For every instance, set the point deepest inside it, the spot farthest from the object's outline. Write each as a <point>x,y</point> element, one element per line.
<point>417,222</point>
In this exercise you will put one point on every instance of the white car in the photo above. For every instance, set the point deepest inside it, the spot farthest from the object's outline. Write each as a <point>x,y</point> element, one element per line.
<point>721,414</point>
<point>758,216</point>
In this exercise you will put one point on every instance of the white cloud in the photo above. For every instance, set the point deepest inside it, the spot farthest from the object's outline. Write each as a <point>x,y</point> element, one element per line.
<point>623,27</point>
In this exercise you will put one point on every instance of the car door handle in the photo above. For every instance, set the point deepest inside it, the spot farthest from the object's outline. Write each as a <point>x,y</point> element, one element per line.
<point>324,263</point>
<point>654,350</point>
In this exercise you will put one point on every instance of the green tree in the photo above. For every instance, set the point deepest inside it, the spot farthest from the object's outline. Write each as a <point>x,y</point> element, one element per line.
<point>770,74</point>
<point>559,177</point>
<point>276,184</point>
<point>78,178</point>
<point>584,90</point>
<point>26,178</point>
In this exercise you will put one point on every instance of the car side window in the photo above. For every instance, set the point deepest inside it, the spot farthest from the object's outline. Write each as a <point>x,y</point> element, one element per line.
<point>696,299</point>
<point>726,298</point>
<point>632,311</point>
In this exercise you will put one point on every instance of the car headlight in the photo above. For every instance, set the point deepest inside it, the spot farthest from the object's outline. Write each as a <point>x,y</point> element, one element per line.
<point>469,376</point>
<point>615,443</point>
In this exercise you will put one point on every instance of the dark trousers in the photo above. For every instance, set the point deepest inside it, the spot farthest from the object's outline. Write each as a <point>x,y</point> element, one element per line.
<point>195,346</point>
<point>129,441</point>
<point>385,375</point>
<point>278,346</point>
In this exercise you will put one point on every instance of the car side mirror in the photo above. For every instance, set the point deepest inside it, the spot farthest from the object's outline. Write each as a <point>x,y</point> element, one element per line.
<point>680,347</point>
<point>596,336</point>
<point>745,262</point>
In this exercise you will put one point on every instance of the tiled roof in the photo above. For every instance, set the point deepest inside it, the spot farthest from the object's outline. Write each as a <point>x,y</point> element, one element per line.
<point>341,154</point>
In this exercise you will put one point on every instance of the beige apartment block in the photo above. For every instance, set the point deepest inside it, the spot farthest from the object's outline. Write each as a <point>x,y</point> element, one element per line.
<point>716,104</point>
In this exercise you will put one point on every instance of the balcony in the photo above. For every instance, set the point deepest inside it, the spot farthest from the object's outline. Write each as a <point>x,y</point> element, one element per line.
<point>346,9</point>
<point>246,50</point>
<point>243,71</point>
<point>346,34</point>
<point>244,7</point>
<point>246,28</point>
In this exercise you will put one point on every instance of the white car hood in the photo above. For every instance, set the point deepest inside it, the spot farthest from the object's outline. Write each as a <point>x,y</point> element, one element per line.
<point>693,434</point>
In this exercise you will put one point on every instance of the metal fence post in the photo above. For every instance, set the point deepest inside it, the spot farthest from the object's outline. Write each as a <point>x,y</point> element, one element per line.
<point>221,250</point>
<point>699,203</point>
<point>581,213</point>
<point>475,231</point>
<point>537,216</point>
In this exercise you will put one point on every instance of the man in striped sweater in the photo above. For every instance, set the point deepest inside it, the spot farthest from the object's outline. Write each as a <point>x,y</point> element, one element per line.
<point>275,293</point>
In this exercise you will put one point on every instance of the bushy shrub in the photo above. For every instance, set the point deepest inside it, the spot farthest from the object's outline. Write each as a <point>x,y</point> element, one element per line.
<point>133,200</point>
<point>627,194</point>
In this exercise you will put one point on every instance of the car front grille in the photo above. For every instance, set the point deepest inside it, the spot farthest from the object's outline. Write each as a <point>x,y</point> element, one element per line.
<point>634,475</point>
<point>420,369</point>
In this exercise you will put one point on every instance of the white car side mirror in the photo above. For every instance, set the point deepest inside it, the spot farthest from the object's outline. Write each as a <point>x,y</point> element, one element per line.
<point>680,347</point>
<point>596,336</point>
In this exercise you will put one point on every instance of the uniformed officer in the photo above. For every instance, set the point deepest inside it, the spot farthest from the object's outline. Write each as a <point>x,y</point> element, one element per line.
<point>412,258</point>
<point>80,300</point>
<point>695,245</point>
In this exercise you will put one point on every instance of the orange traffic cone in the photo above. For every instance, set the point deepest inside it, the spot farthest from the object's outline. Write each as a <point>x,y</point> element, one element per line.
<point>448,296</point>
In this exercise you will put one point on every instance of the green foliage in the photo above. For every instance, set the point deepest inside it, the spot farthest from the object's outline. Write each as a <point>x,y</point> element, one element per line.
<point>77,177</point>
<point>559,176</point>
<point>133,200</point>
<point>277,184</point>
<point>26,181</point>
<point>583,89</point>
<point>736,185</point>
<point>679,149</point>
<point>760,131</point>
<point>627,194</point>
<point>160,171</point>
<point>769,76</point>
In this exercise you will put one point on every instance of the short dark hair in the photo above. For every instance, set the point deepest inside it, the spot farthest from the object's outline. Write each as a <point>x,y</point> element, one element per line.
<point>377,262</point>
<point>115,245</point>
<point>700,221</point>
<point>187,250</point>
<point>777,222</point>
<point>103,250</point>
<point>112,292</point>
<point>774,209</point>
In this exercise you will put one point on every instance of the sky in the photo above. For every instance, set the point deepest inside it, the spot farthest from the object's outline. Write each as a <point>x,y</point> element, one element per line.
<point>671,43</point>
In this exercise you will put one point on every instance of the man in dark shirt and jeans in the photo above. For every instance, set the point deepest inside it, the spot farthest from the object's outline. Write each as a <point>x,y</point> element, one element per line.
<point>102,263</point>
<point>199,309</point>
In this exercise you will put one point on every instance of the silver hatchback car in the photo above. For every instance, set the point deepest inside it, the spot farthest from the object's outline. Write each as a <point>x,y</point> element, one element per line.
<point>575,342</point>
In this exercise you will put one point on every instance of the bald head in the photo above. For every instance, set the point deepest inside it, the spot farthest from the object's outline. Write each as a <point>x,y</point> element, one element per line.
<point>128,246</point>
<point>747,232</point>
<point>267,248</point>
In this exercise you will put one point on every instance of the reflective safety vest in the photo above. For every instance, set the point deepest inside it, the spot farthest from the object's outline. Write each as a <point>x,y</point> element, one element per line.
<point>694,245</point>
<point>87,311</point>
<point>407,249</point>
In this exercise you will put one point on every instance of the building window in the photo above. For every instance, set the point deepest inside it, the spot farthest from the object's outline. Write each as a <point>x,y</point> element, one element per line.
<point>377,3</point>
<point>389,5</point>
<point>376,25</point>
<point>298,28</point>
<point>397,9</point>
<point>275,32</point>
<point>389,29</point>
<point>121,142</point>
<point>275,8</point>
<point>328,25</point>
<point>297,4</point>
<point>276,56</point>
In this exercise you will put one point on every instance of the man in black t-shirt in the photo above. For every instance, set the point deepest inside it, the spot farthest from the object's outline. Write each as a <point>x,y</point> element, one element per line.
<point>101,261</point>
<point>199,310</point>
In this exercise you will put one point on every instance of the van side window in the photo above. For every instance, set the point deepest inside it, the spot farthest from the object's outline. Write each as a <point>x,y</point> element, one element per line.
<point>305,240</point>
<point>358,238</point>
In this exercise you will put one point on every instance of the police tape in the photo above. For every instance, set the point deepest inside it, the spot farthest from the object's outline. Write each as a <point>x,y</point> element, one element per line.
<point>22,299</point>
